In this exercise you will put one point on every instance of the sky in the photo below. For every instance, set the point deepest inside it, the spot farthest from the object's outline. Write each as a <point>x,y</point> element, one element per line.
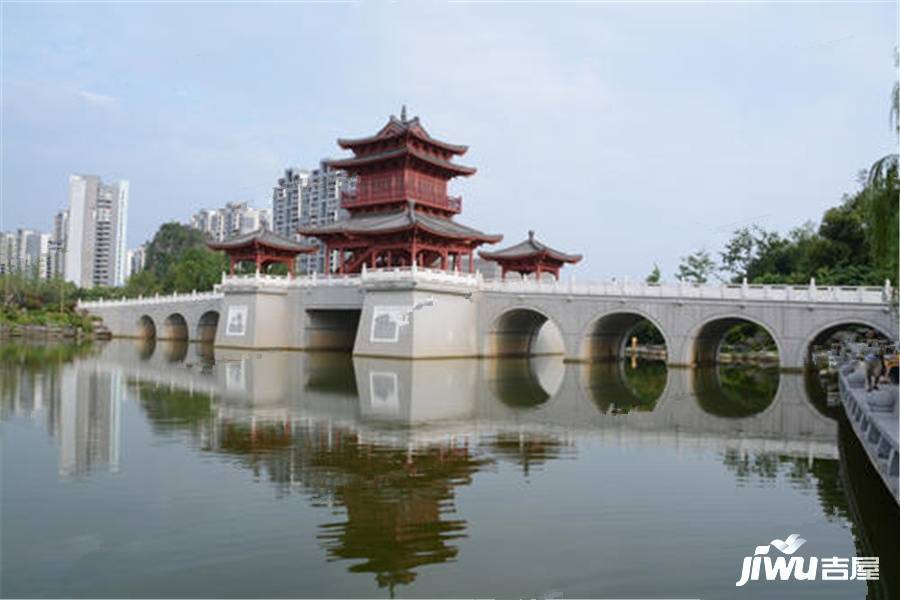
<point>633,134</point>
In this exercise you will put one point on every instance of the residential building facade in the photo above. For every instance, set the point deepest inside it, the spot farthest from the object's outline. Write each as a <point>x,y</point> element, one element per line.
<point>235,218</point>
<point>136,260</point>
<point>58,242</point>
<point>95,233</point>
<point>27,252</point>
<point>309,198</point>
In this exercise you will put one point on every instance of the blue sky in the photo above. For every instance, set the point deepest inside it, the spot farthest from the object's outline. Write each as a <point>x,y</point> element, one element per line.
<point>633,134</point>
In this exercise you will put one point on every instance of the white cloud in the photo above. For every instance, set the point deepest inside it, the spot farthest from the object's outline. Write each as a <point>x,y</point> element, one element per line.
<point>98,100</point>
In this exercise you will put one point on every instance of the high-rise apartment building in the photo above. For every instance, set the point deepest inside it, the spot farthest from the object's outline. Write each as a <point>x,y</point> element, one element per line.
<point>27,252</point>
<point>58,243</point>
<point>303,198</point>
<point>95,234</point>
<point>9,253</point>
<point>286,202</point>
<point>235,218</point>
<point>136,260</point>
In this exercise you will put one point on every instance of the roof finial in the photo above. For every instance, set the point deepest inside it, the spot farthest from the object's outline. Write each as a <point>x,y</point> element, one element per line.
<point>403,114</point>
<point>531,235</point>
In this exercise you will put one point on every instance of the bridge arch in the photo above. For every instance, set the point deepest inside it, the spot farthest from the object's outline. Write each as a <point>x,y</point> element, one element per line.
<point>146,328</point>
<point>823,332</point>
<point>207,325</point>
<point>523,331</point>
<point>702,345</point>
<point>606,335</point>
<point>175,327</point>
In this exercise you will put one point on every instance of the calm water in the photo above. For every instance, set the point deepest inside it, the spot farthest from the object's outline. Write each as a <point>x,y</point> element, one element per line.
<point>167,470</point>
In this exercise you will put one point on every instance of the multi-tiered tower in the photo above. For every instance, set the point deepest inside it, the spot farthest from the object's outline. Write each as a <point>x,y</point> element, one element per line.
<point>400,213</point>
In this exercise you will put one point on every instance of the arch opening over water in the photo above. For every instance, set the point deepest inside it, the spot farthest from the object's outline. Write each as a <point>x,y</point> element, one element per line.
<point>617,335</point>
<point>733,340</point>
<point>207,326</point>
<point>175,327</point>
<point>146,328</point>
<point>523,332</point>
<point>840,332</point>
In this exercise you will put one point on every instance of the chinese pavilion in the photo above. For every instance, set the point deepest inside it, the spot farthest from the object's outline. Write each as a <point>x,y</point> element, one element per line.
<point>530,256</point>
<point>263,248</point>
<point>400,213</point>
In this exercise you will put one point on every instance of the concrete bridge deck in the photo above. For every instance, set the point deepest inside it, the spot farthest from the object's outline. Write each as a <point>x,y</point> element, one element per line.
<point>421,313</point>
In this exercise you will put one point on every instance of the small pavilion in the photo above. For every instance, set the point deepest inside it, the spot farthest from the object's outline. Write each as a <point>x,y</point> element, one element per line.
<point>530,256</point>
<point>263,248</point>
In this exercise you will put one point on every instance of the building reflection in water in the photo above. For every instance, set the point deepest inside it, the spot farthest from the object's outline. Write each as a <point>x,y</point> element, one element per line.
<point>389,442</point>
<point>80,406</point>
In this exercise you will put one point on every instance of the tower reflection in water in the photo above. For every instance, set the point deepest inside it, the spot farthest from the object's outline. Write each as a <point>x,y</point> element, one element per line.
<point>389,443</point>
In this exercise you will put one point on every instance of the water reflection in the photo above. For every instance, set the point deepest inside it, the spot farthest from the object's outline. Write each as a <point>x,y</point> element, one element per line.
<point>525,382</point>
<point>735,391</point>
<point>388,445</point>
<point>81,407</point>
<point>619,387</point>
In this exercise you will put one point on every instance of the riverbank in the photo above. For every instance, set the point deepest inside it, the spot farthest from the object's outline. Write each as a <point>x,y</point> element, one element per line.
<point>53,326</point>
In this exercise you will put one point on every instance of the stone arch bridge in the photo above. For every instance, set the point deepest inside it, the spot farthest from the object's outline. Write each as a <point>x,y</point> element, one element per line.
<point>419,313</point>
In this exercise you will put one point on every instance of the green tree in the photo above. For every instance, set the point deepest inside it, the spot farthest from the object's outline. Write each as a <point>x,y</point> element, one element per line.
<point>885,168</point>
<point>142,283</point>
<point>655,276</point>
<point>696,267</point>
<point>168,246</point>
<point>739,252</point>
<point>197,269</point>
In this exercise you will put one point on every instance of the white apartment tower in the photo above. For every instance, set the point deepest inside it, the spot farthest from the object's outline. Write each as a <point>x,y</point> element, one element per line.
<point>309,198</point>
<point>95,235</point>
<point>286,202</point>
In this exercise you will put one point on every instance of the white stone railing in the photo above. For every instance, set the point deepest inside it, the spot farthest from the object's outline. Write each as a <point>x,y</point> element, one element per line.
<point>157,299</point>
<point>724,291</point>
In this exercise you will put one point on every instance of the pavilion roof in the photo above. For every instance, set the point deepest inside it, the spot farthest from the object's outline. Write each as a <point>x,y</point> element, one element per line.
<point>359,161</point>
<point>397,127</point>
<point>401,220</point>
<point>530,248</point>
<point>261,237</point>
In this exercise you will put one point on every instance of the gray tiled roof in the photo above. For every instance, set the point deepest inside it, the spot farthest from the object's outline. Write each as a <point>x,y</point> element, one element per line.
<point>530,247</point>
<point>399,221</point>
<point>263,237</point>
<point>345,163</point>
<point>396,127</point>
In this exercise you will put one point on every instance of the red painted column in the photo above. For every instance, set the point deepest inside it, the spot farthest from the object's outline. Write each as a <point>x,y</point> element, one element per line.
<point>471,261</point>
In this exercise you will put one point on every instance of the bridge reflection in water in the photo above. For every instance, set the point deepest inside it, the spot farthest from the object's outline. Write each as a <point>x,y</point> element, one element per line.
<point>391,442</point>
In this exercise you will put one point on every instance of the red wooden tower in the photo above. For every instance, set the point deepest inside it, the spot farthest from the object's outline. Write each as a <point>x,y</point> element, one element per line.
<point>400,213</point>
